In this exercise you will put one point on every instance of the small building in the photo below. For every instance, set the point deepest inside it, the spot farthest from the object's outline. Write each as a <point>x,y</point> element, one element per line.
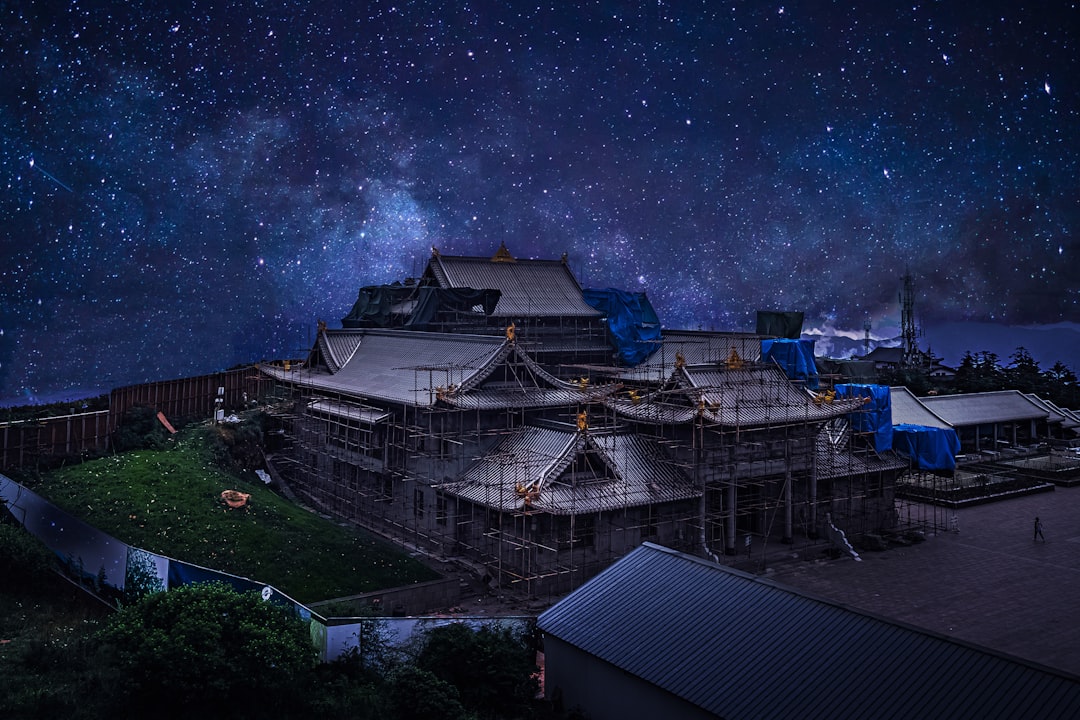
<point>662,634</point>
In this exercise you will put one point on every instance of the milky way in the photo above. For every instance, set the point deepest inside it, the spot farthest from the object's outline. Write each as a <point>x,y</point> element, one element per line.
<point>189,186</point>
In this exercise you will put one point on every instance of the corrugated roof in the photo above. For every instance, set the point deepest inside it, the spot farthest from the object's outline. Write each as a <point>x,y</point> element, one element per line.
<point>909,410</point>
<point>739,646</point>
<point>530,288</point>
<point>984,408</point>
<point>535,458</point>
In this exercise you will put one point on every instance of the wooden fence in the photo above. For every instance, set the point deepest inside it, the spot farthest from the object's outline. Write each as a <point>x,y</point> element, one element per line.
<point>28,443</point>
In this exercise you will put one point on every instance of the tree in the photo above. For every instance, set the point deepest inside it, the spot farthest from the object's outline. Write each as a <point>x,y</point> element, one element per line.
<point>415,694</point>
<point>493,668</point>
<point>1023,372</point>
<point>207,650</point>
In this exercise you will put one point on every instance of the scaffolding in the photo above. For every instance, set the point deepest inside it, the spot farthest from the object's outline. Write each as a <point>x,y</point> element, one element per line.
<point>537,496</point>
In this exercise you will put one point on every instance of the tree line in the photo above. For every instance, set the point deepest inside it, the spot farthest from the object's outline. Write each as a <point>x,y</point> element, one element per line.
<point>985,371</point>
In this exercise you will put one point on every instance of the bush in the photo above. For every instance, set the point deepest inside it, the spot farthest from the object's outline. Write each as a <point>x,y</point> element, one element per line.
<point>210,651</point>
<point>140,429</point>
<point>493,668</point>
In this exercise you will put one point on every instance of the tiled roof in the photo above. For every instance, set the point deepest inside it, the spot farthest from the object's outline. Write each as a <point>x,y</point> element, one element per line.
<point>695,348</point>
<point>759,395</point>
<point>399,366</point>
<point>755,395</point>
<point>530,288</point>
<point>739,646</point>
<point>535,458</point>
<point>909,410</point>
<point>838,460</point>
<point>984,408</point>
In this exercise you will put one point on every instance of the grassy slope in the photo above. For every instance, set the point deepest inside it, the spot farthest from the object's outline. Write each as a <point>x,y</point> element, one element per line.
<point>168,502</point>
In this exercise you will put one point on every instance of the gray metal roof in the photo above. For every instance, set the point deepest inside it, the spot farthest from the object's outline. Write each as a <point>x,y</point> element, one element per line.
<point>984,408</point>
<point>1054,414</point>
<point>739,646</point>
<point>530,288</point>
<point>535,459</point>
<point>909,410</point>
<point>398,366</point>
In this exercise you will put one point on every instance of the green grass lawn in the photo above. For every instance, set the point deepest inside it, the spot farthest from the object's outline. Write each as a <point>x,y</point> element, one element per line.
<point>169,502</point>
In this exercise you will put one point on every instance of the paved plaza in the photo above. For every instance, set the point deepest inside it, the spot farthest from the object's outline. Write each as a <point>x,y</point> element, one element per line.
<point>989,583</point>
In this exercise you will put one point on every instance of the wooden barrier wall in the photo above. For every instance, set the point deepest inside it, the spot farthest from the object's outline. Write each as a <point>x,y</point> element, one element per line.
<point>28,442</point>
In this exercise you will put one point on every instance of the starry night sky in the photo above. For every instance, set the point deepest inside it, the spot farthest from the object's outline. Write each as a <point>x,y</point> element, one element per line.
<point>191,185</point>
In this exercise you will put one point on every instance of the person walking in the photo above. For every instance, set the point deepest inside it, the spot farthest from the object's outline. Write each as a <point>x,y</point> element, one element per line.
<point>1038,530</point>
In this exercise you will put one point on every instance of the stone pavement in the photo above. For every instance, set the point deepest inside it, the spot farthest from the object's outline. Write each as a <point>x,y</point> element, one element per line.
<point>989,584</point>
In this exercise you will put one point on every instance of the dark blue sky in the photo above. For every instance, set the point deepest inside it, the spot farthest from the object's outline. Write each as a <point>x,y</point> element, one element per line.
<point>191,185</point>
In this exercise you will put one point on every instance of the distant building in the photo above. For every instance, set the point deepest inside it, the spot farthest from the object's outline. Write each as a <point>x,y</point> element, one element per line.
<point>495,412</point>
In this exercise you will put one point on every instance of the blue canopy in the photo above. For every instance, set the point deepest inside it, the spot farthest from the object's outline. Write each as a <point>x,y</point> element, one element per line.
<point>876,415</point>
<point>632,322</point>
<point>930,448</point>
<point>796,357</point>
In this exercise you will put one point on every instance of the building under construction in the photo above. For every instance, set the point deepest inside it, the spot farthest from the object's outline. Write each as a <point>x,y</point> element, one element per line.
<point>494,411</point>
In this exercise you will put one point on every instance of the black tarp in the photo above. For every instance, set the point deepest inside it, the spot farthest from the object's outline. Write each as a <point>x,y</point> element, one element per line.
<point>780,324</point>
<point>432,300</point>
<point>374,305</point>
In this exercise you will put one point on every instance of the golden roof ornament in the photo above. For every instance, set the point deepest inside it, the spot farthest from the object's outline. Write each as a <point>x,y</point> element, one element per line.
<point>511,331</point>
<point>680,360</point>
<point>503,255</point>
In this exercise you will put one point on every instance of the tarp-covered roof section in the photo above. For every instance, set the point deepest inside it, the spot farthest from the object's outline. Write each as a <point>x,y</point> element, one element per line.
<point>632,323</point>
<point>928,448</point>
<point>739,646</point>
<point>529,288</point>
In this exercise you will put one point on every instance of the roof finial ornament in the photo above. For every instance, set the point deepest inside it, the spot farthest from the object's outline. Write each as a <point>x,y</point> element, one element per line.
<point>565,258</point>
<point>502,254</point>
<point>321,325</point>
<point>434,251</point>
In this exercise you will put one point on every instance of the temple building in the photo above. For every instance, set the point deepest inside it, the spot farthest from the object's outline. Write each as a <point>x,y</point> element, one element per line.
<point>495,411</point>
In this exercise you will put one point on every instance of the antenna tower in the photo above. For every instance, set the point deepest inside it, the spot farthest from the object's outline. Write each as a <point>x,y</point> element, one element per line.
<point>908,332</point>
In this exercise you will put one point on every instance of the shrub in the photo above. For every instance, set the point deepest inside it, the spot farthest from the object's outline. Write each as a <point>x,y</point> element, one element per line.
<point>208,650</point>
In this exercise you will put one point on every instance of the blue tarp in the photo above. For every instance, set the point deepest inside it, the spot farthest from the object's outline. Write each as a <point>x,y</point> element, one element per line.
<point>930,448</point>
<point>875,416</point>
<point>796,357</point>
<point>632,322</point>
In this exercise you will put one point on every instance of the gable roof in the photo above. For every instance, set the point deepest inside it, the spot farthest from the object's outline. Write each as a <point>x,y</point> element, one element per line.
<point>400,366</point>
<point>530,288</point>
<point>909,410</point>
<point>739,646</point>
<point>983,408</point>
<point>524,472</point>
<point>423,368</point>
